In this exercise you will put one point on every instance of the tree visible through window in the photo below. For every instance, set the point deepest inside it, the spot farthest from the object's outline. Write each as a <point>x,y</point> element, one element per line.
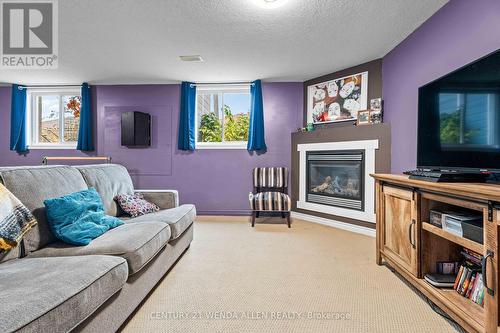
<point>223,115</point>
<point>463,119</point>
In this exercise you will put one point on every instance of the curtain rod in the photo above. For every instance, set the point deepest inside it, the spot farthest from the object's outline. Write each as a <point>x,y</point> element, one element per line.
<point>21,87</point>
<point>220,83</point>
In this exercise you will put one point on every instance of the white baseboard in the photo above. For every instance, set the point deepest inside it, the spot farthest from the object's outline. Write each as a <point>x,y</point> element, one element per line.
<point>335,224</point>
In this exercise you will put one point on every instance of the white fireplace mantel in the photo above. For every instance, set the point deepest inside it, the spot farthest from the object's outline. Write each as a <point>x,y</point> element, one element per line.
<point>369,146</point>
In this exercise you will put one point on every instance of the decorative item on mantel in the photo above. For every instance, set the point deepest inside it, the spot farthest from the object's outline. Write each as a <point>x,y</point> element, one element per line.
<point>337,100</point>
<point>376,111</point>
<point>308,128</point>
<point>372,115</point>
<point>363,117</point>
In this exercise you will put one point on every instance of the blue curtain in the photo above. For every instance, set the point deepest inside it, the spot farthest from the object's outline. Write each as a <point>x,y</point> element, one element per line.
<point>18,119</point>
<point>256,140</point>
<point>187,117</point>
<point>85,133</point>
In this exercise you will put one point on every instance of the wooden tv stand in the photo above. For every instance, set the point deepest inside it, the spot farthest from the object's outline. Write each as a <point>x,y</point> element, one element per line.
<point>412,246</point>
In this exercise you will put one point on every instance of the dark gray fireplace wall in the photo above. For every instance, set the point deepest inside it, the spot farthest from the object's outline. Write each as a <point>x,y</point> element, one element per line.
<point>381,132</point>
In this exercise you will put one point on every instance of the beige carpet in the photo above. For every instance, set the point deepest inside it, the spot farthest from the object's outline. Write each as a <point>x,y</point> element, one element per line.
<point>235,278</point>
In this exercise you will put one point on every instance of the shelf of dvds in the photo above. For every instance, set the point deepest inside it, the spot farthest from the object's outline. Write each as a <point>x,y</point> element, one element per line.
<point>414,247</point>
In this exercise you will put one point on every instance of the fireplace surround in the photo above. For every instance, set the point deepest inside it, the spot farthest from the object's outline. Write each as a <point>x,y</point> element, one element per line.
<point>334,178</point>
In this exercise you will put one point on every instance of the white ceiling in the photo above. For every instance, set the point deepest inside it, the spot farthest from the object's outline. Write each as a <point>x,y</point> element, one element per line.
<point>132,41</point>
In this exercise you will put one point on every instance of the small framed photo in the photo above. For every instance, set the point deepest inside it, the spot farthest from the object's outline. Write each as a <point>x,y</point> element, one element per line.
<point>375,116</point>
<point>363,117</point>
<point>376,104</point>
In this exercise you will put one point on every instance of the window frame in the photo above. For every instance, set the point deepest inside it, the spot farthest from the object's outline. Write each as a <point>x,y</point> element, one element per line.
<point>32,128</point>
<point>222,88</point>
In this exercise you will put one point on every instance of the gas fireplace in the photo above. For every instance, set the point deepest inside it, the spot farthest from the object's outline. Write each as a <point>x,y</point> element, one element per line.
<point>336,178</point>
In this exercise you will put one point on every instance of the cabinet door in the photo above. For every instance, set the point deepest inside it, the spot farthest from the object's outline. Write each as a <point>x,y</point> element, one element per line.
<point>399,227</point>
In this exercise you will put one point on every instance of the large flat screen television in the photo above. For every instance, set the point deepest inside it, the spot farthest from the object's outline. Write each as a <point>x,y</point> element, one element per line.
<point>459,119</point>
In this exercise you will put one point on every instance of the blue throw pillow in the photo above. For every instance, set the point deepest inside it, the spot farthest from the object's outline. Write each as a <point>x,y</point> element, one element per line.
<point>78,218</point>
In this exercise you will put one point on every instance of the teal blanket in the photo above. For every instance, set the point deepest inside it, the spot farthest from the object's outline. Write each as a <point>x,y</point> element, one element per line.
<point>79,218</point>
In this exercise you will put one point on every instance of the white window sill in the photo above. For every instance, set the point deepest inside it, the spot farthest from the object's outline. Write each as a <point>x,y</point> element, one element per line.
<point>55,146</point>
<point>222,145</point>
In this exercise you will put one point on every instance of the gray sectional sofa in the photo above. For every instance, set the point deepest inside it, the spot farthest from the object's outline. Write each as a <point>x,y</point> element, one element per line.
<point>49,286</point>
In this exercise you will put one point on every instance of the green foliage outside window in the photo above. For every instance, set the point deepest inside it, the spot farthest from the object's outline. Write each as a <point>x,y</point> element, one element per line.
<point>450,129</point>
<point>210,128</point>
<point>235,127</point>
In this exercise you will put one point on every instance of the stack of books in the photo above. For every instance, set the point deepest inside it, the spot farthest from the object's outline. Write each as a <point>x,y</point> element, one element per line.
<point>469,281</point>
<point>471,258</point>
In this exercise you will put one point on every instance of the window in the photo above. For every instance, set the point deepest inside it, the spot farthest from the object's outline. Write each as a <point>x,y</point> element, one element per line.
<point>222,116</point>
<point>469,118</point>
<point>53,118</point>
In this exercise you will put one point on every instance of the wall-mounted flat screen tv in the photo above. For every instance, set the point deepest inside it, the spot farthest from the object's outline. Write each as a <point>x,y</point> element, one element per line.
<point>136,129</point>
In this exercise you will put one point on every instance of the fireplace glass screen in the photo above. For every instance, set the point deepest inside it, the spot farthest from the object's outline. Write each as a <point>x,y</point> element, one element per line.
<point>336,178</point>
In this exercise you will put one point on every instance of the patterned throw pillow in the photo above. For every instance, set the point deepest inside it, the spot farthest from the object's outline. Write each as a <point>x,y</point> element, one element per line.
<point>135,205</point>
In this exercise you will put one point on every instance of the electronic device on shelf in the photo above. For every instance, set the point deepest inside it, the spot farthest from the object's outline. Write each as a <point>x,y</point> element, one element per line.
<point>459,124</point>
<point>441,280</point>
<point>447,176</point>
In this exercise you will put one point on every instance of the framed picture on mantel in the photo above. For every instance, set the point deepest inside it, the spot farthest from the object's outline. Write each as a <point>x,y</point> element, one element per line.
<point>338,99</point>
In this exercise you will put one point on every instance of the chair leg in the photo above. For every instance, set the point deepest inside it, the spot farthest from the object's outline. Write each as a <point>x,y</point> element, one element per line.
<point>257,214</point>
<point>288,220</point>
<point>253,219</point>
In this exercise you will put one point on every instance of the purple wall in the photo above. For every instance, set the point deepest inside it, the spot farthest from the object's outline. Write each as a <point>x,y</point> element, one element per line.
<point>217,181</point>
<point>460,32</point>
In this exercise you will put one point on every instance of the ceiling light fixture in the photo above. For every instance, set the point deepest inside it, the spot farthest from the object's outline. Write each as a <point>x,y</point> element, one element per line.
<point>269,4</point>
<point>191,58</point>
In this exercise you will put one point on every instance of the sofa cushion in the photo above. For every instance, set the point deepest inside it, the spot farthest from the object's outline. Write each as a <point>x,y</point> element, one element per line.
<point>79,217</point>
<point>12,254</point>
<point>135,205</point>
<point>33,185</point>
<point>55,294</point>
<point>109,180</point>
<point>137,243</point>
<point>178,218</point>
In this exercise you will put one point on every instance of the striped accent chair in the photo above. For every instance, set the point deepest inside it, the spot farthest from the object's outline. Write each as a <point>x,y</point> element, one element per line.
<point>270,193</point>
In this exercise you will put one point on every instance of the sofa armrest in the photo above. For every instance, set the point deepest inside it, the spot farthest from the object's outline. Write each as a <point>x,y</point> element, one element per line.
<point>164,199</point>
